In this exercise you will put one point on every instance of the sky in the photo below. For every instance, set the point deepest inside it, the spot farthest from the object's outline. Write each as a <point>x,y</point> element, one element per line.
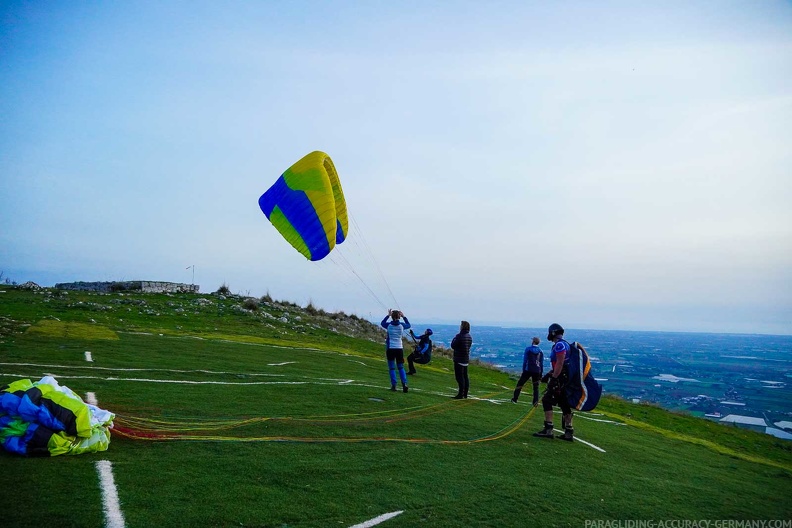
<point>604,165</point>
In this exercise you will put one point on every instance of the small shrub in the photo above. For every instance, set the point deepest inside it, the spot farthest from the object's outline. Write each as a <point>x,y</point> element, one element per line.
<point>223,289</point>
<point>311,309</point>
<point>250,304</point>
<point>267,298</point>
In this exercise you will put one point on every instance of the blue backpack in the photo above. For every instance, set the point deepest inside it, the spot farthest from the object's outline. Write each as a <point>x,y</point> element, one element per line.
<point>582,390</point>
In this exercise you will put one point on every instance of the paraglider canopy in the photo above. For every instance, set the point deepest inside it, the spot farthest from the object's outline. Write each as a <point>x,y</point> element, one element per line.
<point>306,205</point>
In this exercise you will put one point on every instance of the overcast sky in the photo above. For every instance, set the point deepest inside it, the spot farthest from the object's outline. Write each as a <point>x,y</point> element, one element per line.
<point>611,165</point>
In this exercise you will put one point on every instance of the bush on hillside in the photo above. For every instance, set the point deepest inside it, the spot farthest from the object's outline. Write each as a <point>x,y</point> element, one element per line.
<point>250,304</point>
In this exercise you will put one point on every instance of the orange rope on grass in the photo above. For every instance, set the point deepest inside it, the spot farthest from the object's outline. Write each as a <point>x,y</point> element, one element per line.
<point>153,430</point>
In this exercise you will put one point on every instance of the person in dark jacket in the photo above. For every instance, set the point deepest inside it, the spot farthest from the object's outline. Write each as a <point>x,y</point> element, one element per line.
<point>423,350</point>
<point>531,370</point>
<point>461,347</point>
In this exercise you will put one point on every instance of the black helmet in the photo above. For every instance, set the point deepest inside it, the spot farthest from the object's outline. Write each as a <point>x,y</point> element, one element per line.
<point>554,330</point>
<point>428,331</point>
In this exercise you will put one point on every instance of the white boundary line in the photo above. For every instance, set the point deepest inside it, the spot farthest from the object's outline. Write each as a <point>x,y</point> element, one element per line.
<point>598,420</point>
<point>376,520</point>
<point>584,442</point>
<point>112,507</point>
<point>200,371</point>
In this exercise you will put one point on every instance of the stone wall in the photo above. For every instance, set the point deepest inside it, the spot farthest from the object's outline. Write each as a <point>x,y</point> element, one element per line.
<point>130,286</point>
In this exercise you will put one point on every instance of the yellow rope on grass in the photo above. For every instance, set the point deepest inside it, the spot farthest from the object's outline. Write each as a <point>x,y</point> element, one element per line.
<point>142,429</point>
<point>723,450</point>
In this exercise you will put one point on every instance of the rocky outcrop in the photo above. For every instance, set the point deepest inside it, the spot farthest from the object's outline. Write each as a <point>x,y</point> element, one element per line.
<point>130,286</point>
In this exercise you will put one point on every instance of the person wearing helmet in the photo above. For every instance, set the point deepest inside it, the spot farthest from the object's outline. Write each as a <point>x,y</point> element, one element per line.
<point>423,351</point>
<point>394,349</point>
<point>532,370</point>
<point>556,380</point>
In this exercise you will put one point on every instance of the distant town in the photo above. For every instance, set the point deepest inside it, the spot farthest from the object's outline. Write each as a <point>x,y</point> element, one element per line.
<point>740,380</point>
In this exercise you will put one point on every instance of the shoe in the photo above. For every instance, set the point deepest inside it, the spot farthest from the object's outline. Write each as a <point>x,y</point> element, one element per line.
<point>411,372</point>
<point>547,432</point>
<point>393,387</point>
<point>568,434</point>
<point>458,397</point>
<point>513,400</point>
<point>404,388</point>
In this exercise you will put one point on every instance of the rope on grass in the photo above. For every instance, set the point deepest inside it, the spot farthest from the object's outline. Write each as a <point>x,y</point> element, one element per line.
<point>723,450</point>
<point>156,430</point>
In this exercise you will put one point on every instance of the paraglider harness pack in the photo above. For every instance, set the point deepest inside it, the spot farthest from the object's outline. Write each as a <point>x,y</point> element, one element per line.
<point>424,357</point>
<point>582,390</point>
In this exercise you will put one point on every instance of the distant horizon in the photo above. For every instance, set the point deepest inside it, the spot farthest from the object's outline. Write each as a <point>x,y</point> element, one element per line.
<point>585,329</point>
<point>447,321</point>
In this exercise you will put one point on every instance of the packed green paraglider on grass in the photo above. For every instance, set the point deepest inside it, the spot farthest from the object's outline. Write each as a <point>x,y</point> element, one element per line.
<point>44,418</point>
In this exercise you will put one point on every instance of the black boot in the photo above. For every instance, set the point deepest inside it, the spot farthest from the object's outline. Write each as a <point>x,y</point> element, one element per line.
<point>547,432</point>
<point>568,434</point>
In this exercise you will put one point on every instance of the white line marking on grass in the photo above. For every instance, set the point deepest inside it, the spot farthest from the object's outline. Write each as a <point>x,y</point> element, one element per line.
<point>178,371</point>
<point>584,442</point>
<point>112,507</point>
<point>360,362</point>
<point>599,420</point>
<point>376,520</point>
<point>88,356</point>
<point>90,398</point>
<point>280,364</point>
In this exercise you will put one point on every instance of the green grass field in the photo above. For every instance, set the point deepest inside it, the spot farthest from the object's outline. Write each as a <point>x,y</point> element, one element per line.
<point>234,418</point>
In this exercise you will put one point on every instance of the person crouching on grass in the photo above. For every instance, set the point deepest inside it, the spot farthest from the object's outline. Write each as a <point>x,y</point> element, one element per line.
<point>394,348</point>
<point>556,382</point>
<point>423,351</point>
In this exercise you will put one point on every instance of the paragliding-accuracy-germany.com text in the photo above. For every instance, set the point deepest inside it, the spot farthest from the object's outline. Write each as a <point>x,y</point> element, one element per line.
<point>688,523</point>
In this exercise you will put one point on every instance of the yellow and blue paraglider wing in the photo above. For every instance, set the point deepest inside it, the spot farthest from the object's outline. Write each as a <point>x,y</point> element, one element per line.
<point>306,205</point>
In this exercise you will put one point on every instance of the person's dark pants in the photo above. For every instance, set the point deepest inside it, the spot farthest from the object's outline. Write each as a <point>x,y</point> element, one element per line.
<point>556,397</point>
<point>461,375</point>
<point>535,377</point>
<point>416,358</point>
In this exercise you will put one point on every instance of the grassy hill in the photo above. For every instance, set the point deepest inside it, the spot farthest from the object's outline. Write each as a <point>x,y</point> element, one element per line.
<point>250,412</point>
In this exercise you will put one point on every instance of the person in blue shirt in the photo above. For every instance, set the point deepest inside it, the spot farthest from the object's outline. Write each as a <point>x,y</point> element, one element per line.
<point>531,370</point>
<point>557,379</point>
<point>394,349</point>
<point>423,351</point>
